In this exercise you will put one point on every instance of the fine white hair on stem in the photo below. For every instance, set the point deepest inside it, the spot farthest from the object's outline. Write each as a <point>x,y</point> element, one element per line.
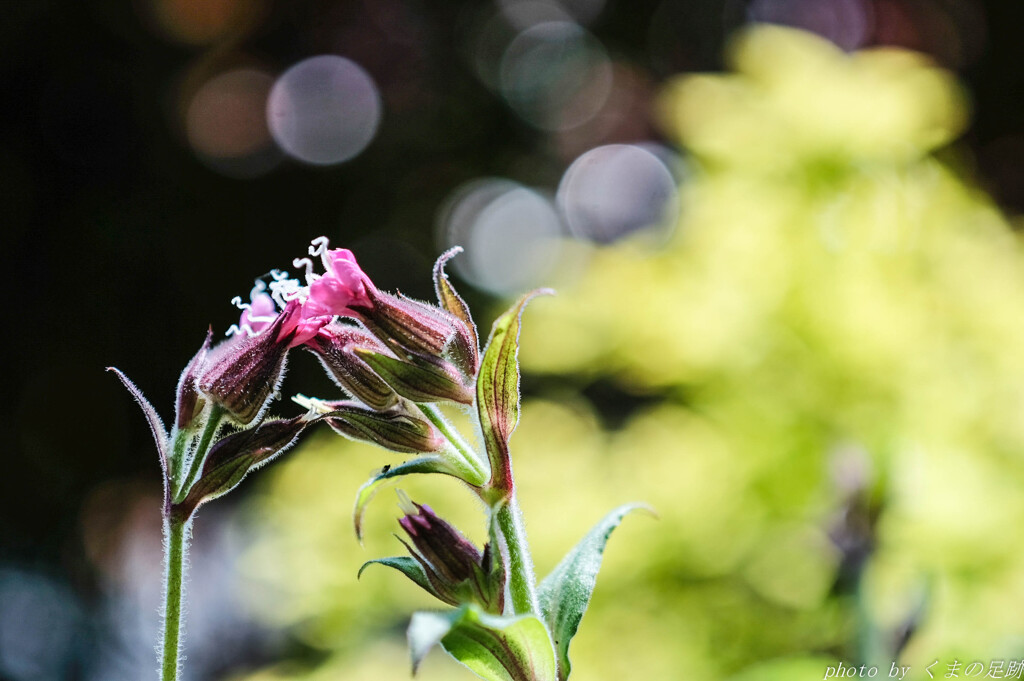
<point>186,540</point>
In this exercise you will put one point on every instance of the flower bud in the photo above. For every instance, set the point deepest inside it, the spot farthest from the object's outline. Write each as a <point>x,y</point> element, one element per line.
<point>456,570</point>
<point>409,324</point>
<point>244,372</point>
<point>399,429</point>
<point>421,379</point>
<point>188,403</point>
<point>336,346</point>
<point>234,456</point>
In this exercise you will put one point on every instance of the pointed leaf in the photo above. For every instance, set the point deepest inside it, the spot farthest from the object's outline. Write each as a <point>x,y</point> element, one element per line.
<point>494,647</point>
<point>467,340</point>
<point>156,425</point>
<point>446,293</point>
<point>407,565</point>
<point>425,464</point>
<point>497,389</point>
<point>565,594</point>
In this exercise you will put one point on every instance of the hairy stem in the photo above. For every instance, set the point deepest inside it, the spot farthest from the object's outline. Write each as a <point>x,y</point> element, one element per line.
<point>459,444</point>
<point>521,580</point>
<point>176,533</point>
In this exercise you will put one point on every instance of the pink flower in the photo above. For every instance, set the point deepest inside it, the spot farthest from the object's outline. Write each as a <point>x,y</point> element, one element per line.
<point>300,325</point>
<point>344,284</point>
<point>260,313</point>
<point>297,324</point>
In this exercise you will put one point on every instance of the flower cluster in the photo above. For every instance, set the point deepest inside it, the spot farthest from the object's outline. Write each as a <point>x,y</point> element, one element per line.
<point>397,361</point>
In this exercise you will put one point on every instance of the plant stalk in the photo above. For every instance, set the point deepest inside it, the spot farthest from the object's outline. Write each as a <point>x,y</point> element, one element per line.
<point>521,580</point>
<point>453,436</point>
<point>176,533</point>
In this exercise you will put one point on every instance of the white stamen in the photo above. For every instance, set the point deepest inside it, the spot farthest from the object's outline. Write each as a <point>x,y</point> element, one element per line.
<point>235,330</point>
<point>319,246</point>
<point>237,302</point>
<point>284,289</point>
<point>311,404</point>
<point>311,276</point>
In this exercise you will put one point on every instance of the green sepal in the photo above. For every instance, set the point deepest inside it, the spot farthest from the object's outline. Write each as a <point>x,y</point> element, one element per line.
<point>497,390</point>
<point>407,565</point>
<point>565,593</point>
<point>369,489</point>
<point>494,647</point>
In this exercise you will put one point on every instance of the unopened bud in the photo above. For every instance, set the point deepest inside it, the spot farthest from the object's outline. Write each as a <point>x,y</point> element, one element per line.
<point>400,429</point>
<point>189,403</point>
<point>244,372</point>
<point>456,569</point>
<point>421,379</point>
<point>233,456</point>
<point>409,324</point>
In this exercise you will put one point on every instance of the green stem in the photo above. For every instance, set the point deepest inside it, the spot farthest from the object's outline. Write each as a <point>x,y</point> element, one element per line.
<point>212,424</point>
<point>176,532</point>
<point>459,444</point>
<point>521,580</point>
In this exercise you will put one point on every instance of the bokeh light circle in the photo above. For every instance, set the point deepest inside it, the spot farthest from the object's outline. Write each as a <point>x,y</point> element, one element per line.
<point>511,233</point>
<point>613,191</point>
<point>226,124</point>
<point>324,110</point>
<point>555,75</point>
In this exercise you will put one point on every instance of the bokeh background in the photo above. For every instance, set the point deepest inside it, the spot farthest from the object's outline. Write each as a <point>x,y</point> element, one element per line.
<point>790,317</point>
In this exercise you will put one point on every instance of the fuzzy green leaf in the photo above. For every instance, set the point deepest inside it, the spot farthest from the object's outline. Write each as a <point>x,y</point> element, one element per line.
<point>494,647</point>
<point>497,389</point>
<point>565,593</point>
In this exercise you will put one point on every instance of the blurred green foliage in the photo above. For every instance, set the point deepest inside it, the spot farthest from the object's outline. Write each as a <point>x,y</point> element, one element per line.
<point>839,316</point>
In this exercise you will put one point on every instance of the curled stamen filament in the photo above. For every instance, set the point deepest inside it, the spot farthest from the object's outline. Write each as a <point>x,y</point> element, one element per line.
<point>319,247</point>
<point>284,289</point>
<point>311,276</point>
<point>237,302</point>
<point>259,286</point>
<point>236,329</point>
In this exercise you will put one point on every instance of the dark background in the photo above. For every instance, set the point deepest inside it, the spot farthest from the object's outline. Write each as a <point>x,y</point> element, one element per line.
<point>121,247</point>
